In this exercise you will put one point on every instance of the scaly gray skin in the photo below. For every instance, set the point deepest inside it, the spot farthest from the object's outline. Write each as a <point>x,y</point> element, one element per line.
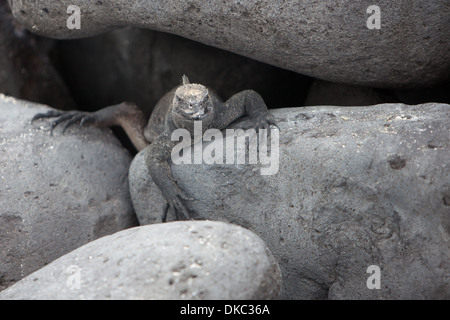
<point>179,108</point>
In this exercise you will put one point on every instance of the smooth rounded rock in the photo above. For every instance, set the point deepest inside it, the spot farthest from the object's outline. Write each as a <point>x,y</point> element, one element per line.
<point>356,187</point>
<point>332,40</point>
<point>178,260</point>
<point>56,192</point>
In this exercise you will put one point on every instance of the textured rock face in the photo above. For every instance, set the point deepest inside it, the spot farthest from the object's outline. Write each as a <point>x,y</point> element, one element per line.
<point>356,186</point>
<point>179,260</point>
<point>324,39</point>
<point>56,193</point>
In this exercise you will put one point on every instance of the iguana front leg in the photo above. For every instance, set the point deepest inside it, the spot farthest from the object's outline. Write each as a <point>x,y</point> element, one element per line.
<point>125,114</point>
<point>247,102</point>
<point>158,160</point>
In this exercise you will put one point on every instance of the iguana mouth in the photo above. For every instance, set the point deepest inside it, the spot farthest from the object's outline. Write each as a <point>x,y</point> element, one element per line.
<point>196,115</point>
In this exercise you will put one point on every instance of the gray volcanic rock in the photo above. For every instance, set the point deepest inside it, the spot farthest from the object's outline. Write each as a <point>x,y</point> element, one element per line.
<point>356,186</point>
<point>327,40</point>
<point>179,260</point>
<point>56,193</point>
<point>146,197</point>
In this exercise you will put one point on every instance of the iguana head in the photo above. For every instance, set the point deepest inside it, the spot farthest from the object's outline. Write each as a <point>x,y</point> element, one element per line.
<point>191,102</point>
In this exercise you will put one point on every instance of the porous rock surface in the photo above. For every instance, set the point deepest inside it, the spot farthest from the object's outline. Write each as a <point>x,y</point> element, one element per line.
<point>56,192</point>
<point>178,260</point>
<point>329,40</point>
<point>356,186</point>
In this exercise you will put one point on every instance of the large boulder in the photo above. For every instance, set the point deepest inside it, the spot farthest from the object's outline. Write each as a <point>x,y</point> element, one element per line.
<point>356,187</point>
<point>178,260</point>
<point>56,193</point>
<point>328,40</point>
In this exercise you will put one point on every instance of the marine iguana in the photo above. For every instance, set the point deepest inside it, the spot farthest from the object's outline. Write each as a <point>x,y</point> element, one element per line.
<point>179,108</point>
